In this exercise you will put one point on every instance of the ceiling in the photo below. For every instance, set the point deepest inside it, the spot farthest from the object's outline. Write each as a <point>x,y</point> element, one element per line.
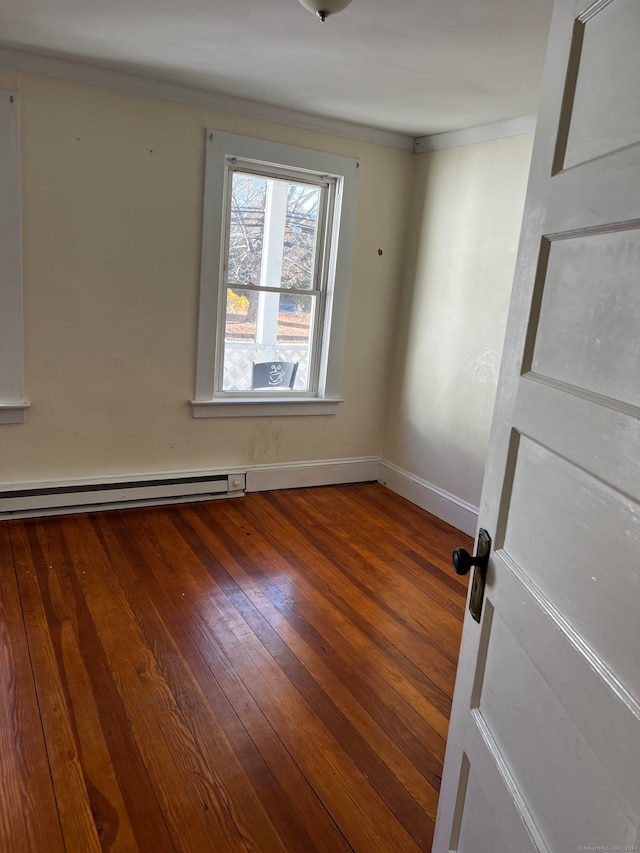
<point>415,67</point>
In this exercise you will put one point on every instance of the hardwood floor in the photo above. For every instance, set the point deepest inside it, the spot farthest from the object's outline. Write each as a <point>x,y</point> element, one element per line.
<point>269,673</point>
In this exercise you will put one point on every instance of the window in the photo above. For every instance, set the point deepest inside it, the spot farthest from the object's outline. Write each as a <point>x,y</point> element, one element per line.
<point>12,402</point>
<point>276,261</point>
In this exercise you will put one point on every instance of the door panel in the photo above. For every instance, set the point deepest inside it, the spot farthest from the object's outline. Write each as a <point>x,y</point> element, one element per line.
<point>595,196</point>
<point>478,813</point>
<point>544,742</point>
<point>497,817</point>
<point>601,605</point>
<point>587,332</point>
<point>606,99</point>
<point>576,680</point>
<point>604,439</point>
<point>540,741</point>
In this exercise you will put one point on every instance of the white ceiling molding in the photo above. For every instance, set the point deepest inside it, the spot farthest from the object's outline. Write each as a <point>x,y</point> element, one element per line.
<point>77,72</point>
<point>480,133</point>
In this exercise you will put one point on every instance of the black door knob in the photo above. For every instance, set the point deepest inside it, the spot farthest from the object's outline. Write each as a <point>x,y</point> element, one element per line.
<point>462,561</point>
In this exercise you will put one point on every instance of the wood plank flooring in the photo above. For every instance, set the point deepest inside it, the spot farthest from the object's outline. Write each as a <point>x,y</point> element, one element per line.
<point>272,673</point>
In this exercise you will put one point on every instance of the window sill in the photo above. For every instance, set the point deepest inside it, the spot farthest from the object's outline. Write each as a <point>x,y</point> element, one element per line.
<point>13,413</point>
<point>268,408</point>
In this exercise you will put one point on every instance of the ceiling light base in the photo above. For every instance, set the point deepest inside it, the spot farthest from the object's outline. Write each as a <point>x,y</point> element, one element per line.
<point>323,8</point>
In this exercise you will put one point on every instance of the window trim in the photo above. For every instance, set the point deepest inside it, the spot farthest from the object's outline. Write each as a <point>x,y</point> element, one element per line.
<point>219,148</point>
<point>12,401</point>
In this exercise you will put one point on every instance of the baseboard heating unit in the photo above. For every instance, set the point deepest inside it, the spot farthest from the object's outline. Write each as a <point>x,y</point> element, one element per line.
<point>36,499</point>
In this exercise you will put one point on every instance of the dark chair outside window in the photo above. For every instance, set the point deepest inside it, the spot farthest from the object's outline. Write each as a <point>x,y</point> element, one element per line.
<point>274,374</point>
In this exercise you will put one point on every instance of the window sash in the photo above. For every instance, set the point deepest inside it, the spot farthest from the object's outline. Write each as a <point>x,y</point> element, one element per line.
<point>326,206</point>
<point>320,273</point>
<point>306,347</point>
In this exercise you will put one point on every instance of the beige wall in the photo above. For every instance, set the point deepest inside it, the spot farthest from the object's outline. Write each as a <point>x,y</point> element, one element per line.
<point>112,206</point>
<point>465,221</point>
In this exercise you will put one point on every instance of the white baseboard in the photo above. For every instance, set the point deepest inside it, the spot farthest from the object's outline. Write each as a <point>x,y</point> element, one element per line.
<point>430,497</point>
<point>259,478</point>
<point>321,472</point>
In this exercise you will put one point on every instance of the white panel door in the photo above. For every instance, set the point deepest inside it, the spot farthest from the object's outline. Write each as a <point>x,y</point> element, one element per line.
<point>544,742</point>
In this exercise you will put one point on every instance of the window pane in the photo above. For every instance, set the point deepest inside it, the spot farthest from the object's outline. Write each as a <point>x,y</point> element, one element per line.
<point>246,228</point>
<point>242,310</point>
<point>300,236</point>
<point>273,230</point>
<point>263,327</point>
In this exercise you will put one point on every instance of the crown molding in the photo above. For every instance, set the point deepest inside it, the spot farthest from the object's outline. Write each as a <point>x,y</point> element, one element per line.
<point>93,75</point>
<point>480,133</point>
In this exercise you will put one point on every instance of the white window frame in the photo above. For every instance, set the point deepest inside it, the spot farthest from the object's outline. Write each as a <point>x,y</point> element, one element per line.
<point>221,149</point>
<point>12,401</point>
